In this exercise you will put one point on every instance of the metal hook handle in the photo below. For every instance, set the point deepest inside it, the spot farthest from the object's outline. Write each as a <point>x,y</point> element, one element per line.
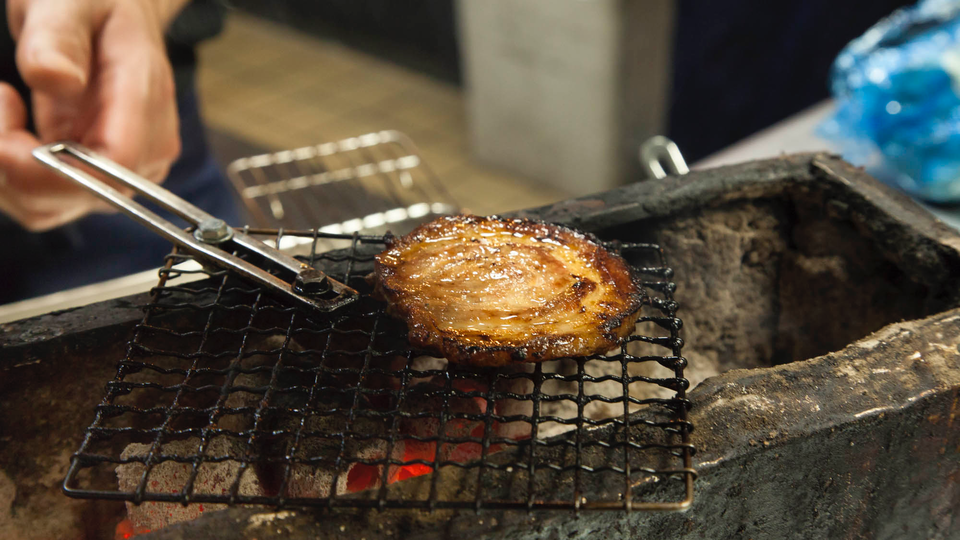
<point>308,284</point>
<point>659,150</point>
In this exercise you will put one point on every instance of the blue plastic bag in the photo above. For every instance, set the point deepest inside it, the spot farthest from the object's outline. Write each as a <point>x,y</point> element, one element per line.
<point>897,89</point>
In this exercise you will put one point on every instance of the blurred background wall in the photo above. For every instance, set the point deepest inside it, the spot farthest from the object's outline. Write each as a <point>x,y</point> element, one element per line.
<point>564,91</point>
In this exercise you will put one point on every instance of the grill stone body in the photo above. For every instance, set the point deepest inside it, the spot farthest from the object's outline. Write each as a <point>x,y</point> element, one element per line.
<point>826,304</point>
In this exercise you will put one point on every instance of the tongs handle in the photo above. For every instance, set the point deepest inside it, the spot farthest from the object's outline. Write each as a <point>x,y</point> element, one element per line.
<point>310,287</point>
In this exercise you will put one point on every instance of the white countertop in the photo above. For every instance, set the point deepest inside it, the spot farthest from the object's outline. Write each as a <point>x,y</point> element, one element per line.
<point>790,136</point>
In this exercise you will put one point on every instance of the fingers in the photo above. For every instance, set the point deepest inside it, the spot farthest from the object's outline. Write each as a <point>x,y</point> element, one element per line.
<point>30,193</point>
<point>54,44</point>
<point>120,101</point>
<point>15,143</point>
<point>13,112</point>
<point>137,123</point>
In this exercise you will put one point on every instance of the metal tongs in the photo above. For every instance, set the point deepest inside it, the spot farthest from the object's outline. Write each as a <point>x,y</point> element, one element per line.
<point>309,287</point>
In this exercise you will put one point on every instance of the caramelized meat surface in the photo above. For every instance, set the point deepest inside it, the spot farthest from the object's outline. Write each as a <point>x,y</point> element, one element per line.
<point>492,291</point>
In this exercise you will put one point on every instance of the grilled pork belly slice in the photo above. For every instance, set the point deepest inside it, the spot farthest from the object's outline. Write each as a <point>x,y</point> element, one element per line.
<point>489,291</point>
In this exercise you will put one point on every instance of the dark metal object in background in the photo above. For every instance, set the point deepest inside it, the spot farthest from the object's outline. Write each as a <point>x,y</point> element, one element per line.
<point>660,157</point>
<point>829,305</point>
<point>210,233</point>
<point>329,384</point>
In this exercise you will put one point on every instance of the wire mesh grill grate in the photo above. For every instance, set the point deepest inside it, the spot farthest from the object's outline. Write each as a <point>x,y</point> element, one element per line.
<point>227,396</point>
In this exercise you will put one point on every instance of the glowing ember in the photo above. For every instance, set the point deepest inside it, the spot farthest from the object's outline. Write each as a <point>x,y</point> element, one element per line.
<point>125,530</point>
<point>463,417</point>
<point>362,476</point>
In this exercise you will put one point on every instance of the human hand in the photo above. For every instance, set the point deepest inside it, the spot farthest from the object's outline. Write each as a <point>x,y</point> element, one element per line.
<point>99,75</point>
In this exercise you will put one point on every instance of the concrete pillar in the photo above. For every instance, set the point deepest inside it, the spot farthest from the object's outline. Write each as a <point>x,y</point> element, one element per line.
<point>564,91</point>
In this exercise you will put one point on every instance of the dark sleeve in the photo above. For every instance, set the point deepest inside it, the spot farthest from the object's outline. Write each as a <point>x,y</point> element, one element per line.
<point>199,20</point>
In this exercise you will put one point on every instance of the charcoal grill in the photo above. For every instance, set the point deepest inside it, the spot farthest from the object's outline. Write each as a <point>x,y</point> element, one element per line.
<point>198,348</point>
<point>822,322</point>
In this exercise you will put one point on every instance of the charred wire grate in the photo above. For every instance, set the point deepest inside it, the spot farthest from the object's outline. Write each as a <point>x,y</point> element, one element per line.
<point>226,396</point>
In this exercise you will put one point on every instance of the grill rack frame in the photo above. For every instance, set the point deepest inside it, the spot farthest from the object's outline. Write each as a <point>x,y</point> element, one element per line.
<point>378,180</point>
<point>660,296</point>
